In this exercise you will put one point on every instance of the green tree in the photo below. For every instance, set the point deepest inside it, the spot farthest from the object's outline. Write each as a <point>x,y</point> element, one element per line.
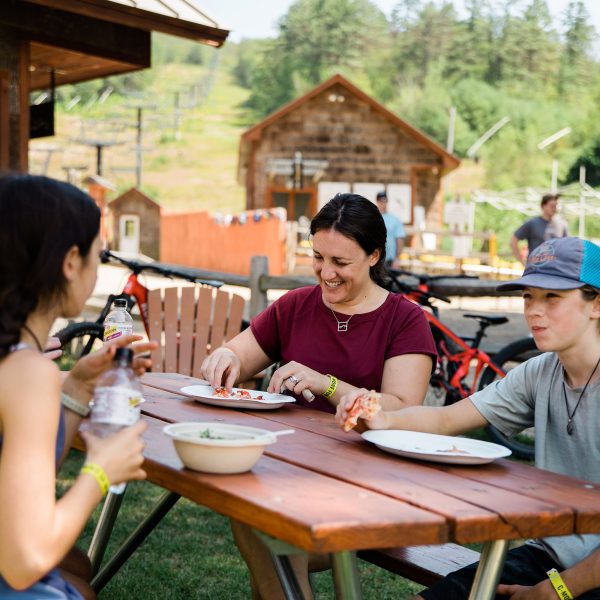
<point>579,36</point>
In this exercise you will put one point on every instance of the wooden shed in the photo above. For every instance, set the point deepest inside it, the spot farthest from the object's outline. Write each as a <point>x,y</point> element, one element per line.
<point>135,224</point>
<point>336,138</point>
<point>46,42</point>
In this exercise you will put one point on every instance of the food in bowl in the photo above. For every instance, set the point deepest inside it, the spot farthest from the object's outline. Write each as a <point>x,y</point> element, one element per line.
<point>218,447</point>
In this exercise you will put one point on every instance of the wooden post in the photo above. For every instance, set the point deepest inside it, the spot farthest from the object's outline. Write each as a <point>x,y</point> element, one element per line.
<point>259,266</point>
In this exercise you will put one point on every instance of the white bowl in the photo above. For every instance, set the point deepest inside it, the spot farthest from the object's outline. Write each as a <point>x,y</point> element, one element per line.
<point>225,449</point>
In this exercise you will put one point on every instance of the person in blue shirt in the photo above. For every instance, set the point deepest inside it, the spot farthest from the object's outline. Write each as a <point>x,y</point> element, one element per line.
<point>395,231</point>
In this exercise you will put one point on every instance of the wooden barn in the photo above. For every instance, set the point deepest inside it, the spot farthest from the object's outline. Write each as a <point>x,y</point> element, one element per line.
<point>335,139</point>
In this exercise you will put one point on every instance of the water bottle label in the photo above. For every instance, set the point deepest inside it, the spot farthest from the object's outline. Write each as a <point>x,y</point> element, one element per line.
<point>116,405</point>
<point>114,331</point>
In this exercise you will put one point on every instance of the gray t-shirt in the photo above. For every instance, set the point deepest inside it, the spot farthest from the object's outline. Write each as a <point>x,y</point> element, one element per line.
<point>532,395</point>
<point>538,230</point>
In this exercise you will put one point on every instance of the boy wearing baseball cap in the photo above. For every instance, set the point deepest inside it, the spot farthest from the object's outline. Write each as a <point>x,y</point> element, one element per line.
<point>558,392</point>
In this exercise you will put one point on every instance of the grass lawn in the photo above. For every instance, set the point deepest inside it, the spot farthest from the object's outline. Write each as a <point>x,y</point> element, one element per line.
<point>191,554</point>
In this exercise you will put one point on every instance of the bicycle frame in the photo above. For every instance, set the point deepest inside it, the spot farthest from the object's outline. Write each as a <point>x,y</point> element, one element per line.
<point>461,361</point>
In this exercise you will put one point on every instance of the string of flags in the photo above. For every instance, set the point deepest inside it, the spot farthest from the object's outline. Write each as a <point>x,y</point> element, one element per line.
<point>252,216</point>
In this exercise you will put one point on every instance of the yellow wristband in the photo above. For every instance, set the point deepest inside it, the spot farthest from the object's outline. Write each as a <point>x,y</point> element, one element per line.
<point>330,391</point>
<point>561,589</point>
<point>99,474</point>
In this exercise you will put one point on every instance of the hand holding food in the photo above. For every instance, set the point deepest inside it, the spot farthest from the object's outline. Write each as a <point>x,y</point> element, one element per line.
<point>360,404</point>
<point>221,368</point>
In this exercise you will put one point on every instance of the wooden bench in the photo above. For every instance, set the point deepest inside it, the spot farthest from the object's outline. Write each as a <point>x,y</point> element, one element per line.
<point>424,564</point>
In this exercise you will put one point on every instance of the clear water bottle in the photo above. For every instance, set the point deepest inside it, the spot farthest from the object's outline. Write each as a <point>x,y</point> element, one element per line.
<point>117,399</point>
<point>118,321</point>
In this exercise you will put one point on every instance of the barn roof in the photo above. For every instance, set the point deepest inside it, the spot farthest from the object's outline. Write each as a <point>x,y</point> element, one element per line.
<point>449,161</point>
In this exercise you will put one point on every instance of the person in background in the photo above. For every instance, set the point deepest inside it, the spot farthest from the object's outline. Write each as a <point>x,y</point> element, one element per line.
<point>342,334</point>
<point>546,226</point>
<point>49,245</point>
<point>558,392</point>
<point>394,241</point>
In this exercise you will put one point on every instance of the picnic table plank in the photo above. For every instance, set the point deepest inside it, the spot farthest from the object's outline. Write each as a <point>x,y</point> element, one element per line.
<point>471,504</point>
<point>310,511</point>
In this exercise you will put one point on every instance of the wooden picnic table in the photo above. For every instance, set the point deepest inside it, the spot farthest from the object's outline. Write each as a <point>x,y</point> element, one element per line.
<point>322,490</point>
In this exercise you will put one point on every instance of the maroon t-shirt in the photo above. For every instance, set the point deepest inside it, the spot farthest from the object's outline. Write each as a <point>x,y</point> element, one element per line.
<point>300,327</point>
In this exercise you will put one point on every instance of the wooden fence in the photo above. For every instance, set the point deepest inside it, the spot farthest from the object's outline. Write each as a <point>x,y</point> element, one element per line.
<point>260,282</point>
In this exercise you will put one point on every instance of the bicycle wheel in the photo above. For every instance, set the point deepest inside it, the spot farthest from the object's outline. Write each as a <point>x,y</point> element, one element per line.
<point>78,339</point>
<point>522,445</point>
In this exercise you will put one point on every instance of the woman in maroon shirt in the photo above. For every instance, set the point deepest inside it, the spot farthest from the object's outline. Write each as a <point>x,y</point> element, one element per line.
<point>346,332</point>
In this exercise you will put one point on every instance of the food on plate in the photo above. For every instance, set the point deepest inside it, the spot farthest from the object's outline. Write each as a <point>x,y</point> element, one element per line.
<point>222,392</point>
<point>454,450</point>
<point>365,406</point>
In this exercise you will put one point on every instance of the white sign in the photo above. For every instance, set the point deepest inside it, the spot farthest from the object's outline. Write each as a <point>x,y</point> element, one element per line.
<point>368,190</point>
<point>328,189</point>
<point>399,201</point>
<point>459,213</point>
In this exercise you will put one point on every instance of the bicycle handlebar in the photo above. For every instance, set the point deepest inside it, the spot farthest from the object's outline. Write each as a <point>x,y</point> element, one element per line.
<point>423,278</point>
<point>137,267</point>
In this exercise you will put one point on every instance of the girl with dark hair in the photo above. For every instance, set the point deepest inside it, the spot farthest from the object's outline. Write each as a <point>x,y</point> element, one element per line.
<point>49,245</point>
<point>346,332</point>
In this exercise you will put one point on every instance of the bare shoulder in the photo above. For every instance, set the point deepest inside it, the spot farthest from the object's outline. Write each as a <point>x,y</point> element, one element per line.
<point>28,375</point>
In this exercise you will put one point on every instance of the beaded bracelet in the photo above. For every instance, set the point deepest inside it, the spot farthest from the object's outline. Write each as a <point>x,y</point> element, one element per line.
<point>331,387</point>
<point>74,406</point>
<point>560,587</point>
<point>99,474</point>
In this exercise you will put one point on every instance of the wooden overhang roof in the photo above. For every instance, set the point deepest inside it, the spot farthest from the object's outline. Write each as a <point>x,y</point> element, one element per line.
<point>90,39</point>
<point>449,161</point>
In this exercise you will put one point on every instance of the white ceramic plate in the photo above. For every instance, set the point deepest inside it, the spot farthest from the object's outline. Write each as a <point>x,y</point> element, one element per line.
<point>204,394</point>
<point>436,448</point>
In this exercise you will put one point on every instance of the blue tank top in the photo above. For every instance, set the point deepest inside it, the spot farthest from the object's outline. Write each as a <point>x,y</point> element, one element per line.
<point>52,586</point>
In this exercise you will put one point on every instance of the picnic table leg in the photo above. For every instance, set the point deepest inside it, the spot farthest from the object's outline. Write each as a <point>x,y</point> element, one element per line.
<point>137,536</point>
<point>280,552</point>
<point>489,570</point>
<point>345,576</point>
<point>104,527</point>
<point>287,577</point>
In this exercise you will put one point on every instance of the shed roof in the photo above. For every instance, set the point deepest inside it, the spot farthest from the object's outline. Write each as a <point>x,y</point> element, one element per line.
<point>449,161</point>
<point>81,40</point>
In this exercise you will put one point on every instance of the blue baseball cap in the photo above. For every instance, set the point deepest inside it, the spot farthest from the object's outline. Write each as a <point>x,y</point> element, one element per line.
<point>560,264</point>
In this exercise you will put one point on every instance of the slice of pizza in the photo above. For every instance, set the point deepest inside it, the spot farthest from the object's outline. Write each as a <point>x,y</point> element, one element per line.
<point>221,392</point>
<point>366,406</point>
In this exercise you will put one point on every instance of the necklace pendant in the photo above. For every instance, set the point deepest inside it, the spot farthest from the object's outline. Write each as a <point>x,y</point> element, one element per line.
<point>570,427</point>
<point>342,326</point>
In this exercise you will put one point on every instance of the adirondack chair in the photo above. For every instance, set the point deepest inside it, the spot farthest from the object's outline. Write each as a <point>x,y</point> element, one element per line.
<point>189,322</point>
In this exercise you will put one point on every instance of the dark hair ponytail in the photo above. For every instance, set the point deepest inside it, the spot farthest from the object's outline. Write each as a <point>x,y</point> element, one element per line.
<point>360,220</point>
<point>40,220</point>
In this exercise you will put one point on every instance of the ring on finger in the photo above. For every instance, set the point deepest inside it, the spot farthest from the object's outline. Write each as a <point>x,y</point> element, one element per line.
<point>294,379</point>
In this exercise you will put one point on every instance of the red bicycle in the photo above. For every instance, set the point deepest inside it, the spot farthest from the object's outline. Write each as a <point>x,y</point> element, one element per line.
<point>79,338</point>
<point>463,368</point>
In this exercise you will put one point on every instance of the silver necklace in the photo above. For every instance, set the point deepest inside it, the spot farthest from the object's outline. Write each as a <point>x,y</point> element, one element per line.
<point>342,325</point>
<point>570,425</point>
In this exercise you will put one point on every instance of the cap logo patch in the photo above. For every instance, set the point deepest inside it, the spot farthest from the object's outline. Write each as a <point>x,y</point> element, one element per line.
<point>541,255</point>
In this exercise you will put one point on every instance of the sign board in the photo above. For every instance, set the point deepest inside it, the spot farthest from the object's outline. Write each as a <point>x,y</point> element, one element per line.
<point>328,189</point>
<point>459,214</point>
<point>41,120</point>
<point>368,190</point>
<point>400,201</point>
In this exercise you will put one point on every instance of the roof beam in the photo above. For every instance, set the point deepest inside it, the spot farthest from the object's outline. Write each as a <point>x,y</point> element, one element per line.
<point>76,32</point>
